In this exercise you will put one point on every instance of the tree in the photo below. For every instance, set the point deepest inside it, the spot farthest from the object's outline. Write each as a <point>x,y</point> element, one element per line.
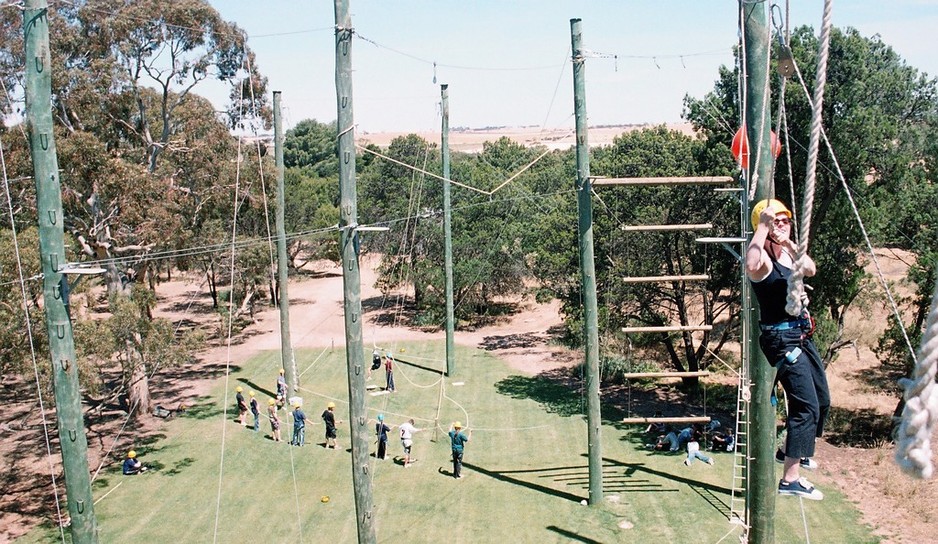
<point>136,173</point>
<point>876,108</point>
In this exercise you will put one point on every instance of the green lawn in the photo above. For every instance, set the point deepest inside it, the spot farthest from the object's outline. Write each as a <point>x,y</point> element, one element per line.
<point>526,470</point>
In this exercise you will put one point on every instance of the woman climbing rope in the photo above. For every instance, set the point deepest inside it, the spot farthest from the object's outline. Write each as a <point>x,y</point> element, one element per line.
<point>787,344</point>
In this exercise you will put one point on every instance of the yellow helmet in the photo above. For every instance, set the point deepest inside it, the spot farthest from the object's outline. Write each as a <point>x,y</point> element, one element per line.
<point>281,371</point>
<point>271,402</point>
<point>457,425</point>
<point>330,405</point>
<point>239,389</point>
<point>778,205</point>
<point>251,393</point>
<point>131,454</point>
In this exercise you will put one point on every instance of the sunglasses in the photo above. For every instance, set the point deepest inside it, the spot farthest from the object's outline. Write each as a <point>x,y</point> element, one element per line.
<point>782,221</point>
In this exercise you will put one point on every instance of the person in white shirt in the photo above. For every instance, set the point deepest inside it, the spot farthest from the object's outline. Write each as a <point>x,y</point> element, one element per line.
<point>407,439</point>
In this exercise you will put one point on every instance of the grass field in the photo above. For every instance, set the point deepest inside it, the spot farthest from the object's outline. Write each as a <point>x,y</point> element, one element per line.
<point>525,470</point>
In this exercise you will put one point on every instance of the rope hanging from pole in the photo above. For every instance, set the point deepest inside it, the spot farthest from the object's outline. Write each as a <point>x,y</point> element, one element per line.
<point>797,298</point>
<point>920,415</point>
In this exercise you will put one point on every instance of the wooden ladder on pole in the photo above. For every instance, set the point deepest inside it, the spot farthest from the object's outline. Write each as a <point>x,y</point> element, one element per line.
<point>659,181</point>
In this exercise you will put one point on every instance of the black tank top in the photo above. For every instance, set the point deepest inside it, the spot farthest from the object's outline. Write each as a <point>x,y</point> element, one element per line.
<point>772,293</point>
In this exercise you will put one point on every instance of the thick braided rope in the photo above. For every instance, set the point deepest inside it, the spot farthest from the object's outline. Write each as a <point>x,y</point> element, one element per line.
<point>914,454</point>
<point>797,298</point>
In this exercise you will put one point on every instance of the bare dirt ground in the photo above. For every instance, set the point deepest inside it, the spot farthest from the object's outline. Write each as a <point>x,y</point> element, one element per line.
<point>900,509</point>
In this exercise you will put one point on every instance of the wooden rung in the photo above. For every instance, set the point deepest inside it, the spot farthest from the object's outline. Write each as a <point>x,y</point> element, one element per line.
<point>669,328</point>
<point>692,419</point>
<point>650,279</point>
<point>699,180</point>
<point>631,375</point>
<point>706,240</point>
<point>648,228</point>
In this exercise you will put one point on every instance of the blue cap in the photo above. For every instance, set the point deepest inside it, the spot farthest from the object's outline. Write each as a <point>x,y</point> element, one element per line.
<point>380,417</point>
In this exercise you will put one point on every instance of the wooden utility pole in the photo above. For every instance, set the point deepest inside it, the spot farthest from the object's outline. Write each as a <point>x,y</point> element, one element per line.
<point>448,236</point>
<point>351,275</point>
<point>587,269</point>
<point>84,528</point>
<point>758,120</point>
<point>287,360</point>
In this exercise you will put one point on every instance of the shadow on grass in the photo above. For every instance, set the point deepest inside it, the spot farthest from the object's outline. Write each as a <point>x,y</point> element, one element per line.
<point>559,398</point>
<point>569,535</point>
<point>179,465</point>
<point>711,493</point>
<point>505,476</point>
<point>397,359</point>
<point>201,411</point>
<point>863,428</point>
<point>257,388</point>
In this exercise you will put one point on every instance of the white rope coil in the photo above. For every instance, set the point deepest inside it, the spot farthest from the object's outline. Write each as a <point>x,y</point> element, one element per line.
<point>914,454</point>
<point>797,298</point>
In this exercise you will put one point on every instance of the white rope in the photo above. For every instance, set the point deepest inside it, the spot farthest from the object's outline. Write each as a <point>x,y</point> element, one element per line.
<point>32,345</point>
<point>920,415</point>
<point>856,213</point>
<point>231,298</point>
<point>797,297</point>
<point>417,385</point>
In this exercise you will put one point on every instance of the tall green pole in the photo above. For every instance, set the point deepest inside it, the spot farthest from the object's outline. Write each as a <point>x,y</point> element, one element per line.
<point>84,527</point>
<point>351,275</point>
<point>587,268</point>
<point>762,413</point>
<point>448,236</point>
<point>287,360</point>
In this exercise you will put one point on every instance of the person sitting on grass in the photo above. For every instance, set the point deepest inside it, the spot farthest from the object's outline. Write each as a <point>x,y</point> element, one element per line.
<point>723,441</point>
<point>132,465</point>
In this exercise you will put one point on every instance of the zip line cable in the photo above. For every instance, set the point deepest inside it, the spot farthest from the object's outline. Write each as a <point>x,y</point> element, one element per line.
<point>32,347</point>
<point>224,416</point>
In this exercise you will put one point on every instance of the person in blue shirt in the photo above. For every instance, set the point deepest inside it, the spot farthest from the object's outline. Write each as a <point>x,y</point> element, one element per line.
<point>458,441</point>
<point>382,430</point>
<point>132,465</point>
<point>299,426</point>
<point>787,344</point>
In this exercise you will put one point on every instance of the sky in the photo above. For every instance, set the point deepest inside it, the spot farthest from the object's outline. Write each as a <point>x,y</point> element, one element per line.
<point>506,62</point>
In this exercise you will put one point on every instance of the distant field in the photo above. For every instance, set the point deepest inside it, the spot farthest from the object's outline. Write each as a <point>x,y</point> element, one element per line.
<point>471,140</point>
<point>526,470</point>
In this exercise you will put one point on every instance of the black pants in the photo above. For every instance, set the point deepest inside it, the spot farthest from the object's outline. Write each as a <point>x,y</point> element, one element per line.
<point>805,384</point>
<point>382,448</point>
<point>457,463</point>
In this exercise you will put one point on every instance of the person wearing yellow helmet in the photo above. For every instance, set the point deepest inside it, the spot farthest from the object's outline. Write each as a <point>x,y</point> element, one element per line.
<point>242,405</point>
<point>274,419</point>
<point>787,344</point>
<point>132,465</point>
<point>458,441</point>
<point>328,417</point>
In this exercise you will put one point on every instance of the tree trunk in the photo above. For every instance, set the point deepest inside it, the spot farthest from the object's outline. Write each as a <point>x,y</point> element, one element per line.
<point>139,390</point>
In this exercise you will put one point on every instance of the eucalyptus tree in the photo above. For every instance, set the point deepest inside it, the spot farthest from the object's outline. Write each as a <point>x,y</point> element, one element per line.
<point>142,156</point>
